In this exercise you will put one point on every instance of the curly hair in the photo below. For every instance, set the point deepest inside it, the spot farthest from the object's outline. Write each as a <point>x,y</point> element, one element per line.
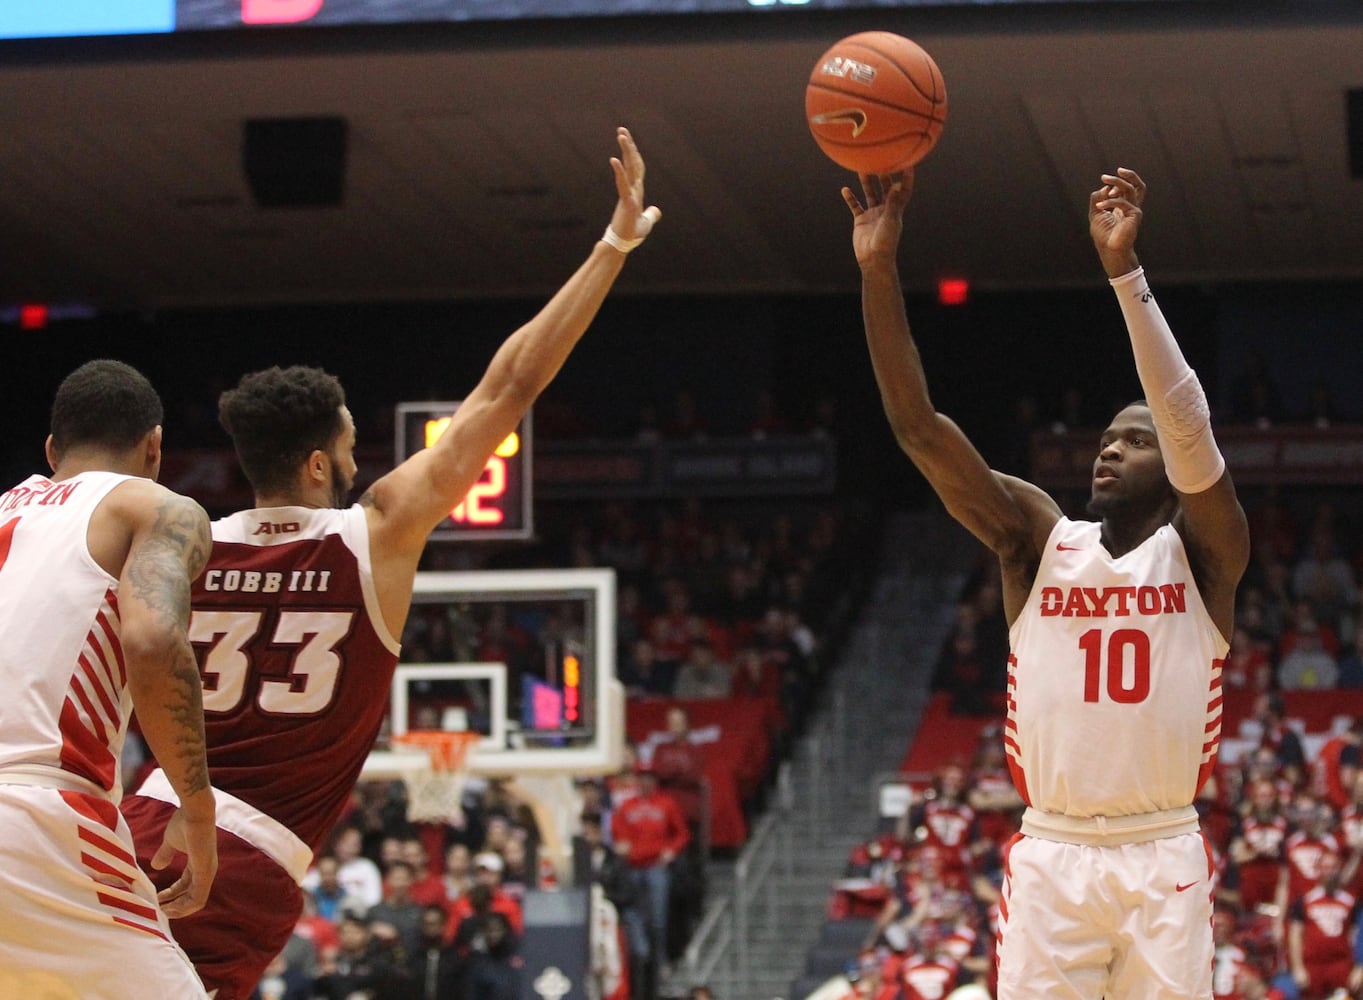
<point>277,418</point>
<point>104,404</point>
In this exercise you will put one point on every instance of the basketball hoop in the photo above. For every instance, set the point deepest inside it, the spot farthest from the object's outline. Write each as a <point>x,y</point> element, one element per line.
<point>435,792</point>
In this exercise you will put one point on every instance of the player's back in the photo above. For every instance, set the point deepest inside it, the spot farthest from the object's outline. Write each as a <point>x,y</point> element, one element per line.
<point>61,661</point>
<point>296,661</point>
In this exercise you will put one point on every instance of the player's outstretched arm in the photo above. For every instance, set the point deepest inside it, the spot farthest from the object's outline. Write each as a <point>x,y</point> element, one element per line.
<point>410,501</point>
<point>1210,518</point>
<point>169,547</point>
<point>1010,517</point>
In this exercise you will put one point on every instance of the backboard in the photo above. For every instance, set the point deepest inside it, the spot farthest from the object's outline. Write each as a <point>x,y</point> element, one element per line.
<point>524,657</point>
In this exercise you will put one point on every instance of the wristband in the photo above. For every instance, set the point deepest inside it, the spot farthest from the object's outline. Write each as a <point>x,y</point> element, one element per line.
<point>613,238</point>
<point>610,237</point>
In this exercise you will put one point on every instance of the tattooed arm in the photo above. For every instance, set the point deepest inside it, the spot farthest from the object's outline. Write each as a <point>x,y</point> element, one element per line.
<point>168,548</point>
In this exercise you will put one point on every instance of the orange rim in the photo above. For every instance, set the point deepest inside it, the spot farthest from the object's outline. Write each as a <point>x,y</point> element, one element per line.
<point>447,750</point>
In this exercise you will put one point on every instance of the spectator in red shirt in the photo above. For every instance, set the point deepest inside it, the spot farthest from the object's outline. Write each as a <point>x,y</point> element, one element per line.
<point>650,831</point>
<point>929,973</point>
<point>487,874</point>
<point>1306,848</point>
<point>755,676</point>
<point>429,887</point>
<point>314,927</point>
<point>1320,930</point>
<point>1256,848</point>
<point>679,765</point>
<point>1246,667</point>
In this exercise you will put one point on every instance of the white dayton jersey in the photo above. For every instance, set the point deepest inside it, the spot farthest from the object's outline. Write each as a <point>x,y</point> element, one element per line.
<point>78,919</point>
<point>61,664</point>
<point>1114,682</point>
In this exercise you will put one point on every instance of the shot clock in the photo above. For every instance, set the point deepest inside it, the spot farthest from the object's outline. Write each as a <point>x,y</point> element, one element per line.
<point>499,504</point>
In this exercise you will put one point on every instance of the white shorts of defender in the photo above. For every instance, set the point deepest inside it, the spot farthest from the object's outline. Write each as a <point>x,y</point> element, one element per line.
<point>78,918</point>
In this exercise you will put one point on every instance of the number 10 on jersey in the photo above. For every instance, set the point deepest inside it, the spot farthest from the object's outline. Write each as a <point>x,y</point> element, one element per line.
<point>499,504</point>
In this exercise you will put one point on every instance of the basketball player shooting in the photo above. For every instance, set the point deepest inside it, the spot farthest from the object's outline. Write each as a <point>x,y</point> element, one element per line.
<point>1117,630</point>
<point>297,616</point>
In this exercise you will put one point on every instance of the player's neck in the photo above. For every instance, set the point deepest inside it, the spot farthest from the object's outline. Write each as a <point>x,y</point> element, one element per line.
<point>313,499</point>
<point>74,463</point>
<point>1121,534</point>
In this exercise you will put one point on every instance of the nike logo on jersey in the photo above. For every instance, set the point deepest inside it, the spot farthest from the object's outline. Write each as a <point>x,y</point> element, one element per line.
<point>1183,887</point>
<point>1062,547</point>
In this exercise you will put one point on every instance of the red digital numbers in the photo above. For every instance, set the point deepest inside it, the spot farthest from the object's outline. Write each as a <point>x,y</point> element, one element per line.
<point>572,689</point>
<point>480,506</point>
<point>499,504</point>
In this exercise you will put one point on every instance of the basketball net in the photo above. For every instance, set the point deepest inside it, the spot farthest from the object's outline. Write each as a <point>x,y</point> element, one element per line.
<point>435,793</point>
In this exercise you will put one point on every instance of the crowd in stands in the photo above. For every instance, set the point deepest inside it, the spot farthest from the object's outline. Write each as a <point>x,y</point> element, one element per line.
<point>1283,810</point>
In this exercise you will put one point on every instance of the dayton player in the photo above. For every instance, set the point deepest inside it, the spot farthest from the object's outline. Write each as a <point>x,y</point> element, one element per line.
<point>1117,628</point>
<point>95,569</point>
<point>297,617</point>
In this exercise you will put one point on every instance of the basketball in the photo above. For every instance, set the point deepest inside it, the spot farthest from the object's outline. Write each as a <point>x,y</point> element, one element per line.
<point>876,103</point>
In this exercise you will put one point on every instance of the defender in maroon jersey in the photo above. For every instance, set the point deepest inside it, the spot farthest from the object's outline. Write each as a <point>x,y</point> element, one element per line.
<point>296,618</point>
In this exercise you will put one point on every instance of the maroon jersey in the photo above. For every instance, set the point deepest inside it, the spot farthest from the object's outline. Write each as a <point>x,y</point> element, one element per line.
<point>296,661</point>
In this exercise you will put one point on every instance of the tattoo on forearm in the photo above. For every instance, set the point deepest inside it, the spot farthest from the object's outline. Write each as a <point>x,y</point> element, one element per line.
<point>159,571</point>
<point>184,708</point>
<point>161,568</point>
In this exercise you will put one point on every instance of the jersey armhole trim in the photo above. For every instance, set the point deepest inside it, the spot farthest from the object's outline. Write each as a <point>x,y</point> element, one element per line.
<point>357,538</point>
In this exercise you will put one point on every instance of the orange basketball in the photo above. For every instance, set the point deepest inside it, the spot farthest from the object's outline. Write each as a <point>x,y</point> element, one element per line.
<point>876,103</point>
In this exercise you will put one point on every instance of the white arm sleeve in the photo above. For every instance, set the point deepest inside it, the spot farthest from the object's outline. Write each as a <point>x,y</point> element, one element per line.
<point>1177,402</point>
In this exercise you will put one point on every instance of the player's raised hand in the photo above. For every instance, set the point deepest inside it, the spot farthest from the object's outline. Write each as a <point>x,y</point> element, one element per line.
<point>1115,220</point>
<point>632,221</point>
<point>877,224</point>
<point>197,838</point>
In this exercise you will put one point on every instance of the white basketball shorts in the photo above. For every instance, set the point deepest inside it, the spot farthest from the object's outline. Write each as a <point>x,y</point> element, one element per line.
<point>1122,922</point>
<point>78,918</point>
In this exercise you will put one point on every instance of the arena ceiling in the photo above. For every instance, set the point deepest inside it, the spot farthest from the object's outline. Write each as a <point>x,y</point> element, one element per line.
<point>476,164</point>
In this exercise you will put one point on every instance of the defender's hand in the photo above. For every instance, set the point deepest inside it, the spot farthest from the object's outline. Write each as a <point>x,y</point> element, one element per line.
<point>631,220</point>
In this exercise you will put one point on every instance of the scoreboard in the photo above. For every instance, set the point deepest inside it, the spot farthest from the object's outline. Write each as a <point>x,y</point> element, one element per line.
<point>499,506</point>
<point>51,18</point>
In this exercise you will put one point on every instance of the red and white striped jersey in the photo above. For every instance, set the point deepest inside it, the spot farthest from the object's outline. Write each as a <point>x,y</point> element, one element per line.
<point>66,701</point>
<point>296,661</point>
<point>1114,681</point>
